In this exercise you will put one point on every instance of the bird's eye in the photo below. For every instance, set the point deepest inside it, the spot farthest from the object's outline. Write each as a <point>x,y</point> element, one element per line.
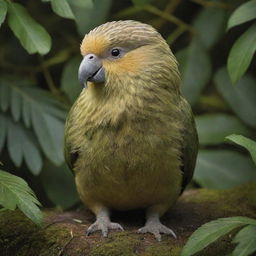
<point>115,52</point>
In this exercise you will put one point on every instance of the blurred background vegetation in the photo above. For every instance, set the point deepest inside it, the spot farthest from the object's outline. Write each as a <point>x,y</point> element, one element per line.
<point>39,59</point>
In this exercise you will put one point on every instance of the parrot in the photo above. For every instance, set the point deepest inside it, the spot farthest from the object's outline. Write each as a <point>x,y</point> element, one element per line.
<point>130,137</point>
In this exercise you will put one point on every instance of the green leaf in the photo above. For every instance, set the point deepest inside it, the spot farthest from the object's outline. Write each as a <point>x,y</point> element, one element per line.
<point>83,4</point>
<point>241,54</point>
<point>62,8</point>
<point>50,133</point>
<point>40,110</point>
<point>15,192</point>
<point>22,144</point>
<point>209,33</point>
<point>52,177</point>
<point>5,95</point>
<point>241,98</point>
<point>141,2</point>
<point>195,67</point>
<point>14,142</point>
<point>32,154</point>
<point>26,112</point>
<point>246,240</point>
<point>33,37</point>
<point>213,128</point>
<point>15,105</point>
<point>249,144</point>
<point>69,80</point>
<point>88,17</point>
<point>211,231</point>
<point>222,169</point>
<point>243,13</point>
<point>3,131</point>
<point>3,11</point>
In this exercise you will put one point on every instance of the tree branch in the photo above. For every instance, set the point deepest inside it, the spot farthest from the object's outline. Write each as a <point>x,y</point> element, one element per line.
<point>169,17</point>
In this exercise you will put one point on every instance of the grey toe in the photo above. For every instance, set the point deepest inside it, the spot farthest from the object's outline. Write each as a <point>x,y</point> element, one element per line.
<point>103,226</point>
<point>156,229</point>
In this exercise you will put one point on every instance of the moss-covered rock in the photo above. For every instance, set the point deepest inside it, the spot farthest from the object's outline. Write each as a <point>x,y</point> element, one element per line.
<point>119,244</point>
<point>63,233</point>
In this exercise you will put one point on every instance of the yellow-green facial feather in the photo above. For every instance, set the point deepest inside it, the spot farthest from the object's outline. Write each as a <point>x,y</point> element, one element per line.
<point>148,55</point>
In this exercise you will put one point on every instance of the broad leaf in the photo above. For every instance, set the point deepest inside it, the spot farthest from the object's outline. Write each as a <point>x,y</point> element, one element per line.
<point>241,54</point>
<point>37,108</point>
<point>141,2</point>
<point>221,169</point>
<point>52,177</point>
<point>246,240</point>
<point>62,8</point>
<point>3,11</point>
<point>195,67</point>
<point>16,101</point>
<point>210,32</point>
<point>241,98</point>
<point>33,37</point>
<point>3,131</point>
<point>15,192</point>
<point>15,142</point>
<point>83,3</point>
<point>211,231</point>
<point>213,128</point>
<point>21,144</point>
<point>5,95</point>
<point>243,13</point>
<point>50,133</point>
<point>79,3</point>
<point>96,14</point>
<point>69,80</point>
<point>249,144</point>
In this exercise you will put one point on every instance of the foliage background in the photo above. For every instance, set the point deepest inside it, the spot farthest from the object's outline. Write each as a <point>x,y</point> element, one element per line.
<point>39,59</point>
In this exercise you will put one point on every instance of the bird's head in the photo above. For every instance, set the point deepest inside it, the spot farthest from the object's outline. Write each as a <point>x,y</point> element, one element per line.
<point>126,53</point>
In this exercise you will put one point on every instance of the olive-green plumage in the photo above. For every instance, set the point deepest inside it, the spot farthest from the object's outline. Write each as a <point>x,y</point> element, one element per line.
<point>131,139</point>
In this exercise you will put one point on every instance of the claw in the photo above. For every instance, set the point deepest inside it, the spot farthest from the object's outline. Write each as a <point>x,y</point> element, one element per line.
<point>156,228</point>
<point>103,225</point>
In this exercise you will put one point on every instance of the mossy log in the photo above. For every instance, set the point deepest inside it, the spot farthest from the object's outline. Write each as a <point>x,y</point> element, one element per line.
<point>63,233</point>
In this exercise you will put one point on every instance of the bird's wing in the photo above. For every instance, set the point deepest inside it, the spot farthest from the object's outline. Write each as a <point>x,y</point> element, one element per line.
<point>70,156</point>
<point>190,143</point>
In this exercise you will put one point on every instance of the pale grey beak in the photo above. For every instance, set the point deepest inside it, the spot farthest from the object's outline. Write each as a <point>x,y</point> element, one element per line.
<point>91,69</point>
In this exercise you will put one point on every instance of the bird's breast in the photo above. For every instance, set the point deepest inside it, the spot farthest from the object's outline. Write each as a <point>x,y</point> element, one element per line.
<point>129,156</point>
<point>129,166</point>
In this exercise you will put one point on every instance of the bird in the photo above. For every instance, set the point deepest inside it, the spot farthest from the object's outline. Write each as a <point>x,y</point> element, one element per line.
<point>130,137</point>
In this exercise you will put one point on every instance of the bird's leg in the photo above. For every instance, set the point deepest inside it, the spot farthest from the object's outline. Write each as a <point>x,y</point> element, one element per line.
<point>103,223</point>
<point>154,226</point>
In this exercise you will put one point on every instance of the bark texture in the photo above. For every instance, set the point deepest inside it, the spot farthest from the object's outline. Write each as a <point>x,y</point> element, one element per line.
<point>63,233</point>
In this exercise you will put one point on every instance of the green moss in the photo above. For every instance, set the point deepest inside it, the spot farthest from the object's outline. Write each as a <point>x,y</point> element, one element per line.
<point>25,238</point>
<point>119,244</point>
<point>52,239</point>
<point>159,249</point>
<point>20,237</point>
<point>176,250</point>
<point>221,203</point>
<point>232,195</point>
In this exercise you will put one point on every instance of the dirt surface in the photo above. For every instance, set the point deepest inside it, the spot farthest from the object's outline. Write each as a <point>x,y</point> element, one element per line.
<point>63,233</point>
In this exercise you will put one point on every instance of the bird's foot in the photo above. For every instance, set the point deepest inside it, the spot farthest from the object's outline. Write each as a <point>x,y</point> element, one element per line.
<point>155,227</point>
<point>103,225</point>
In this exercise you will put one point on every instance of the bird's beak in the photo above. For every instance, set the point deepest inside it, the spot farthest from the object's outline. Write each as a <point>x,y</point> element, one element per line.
<point>91,69</point>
